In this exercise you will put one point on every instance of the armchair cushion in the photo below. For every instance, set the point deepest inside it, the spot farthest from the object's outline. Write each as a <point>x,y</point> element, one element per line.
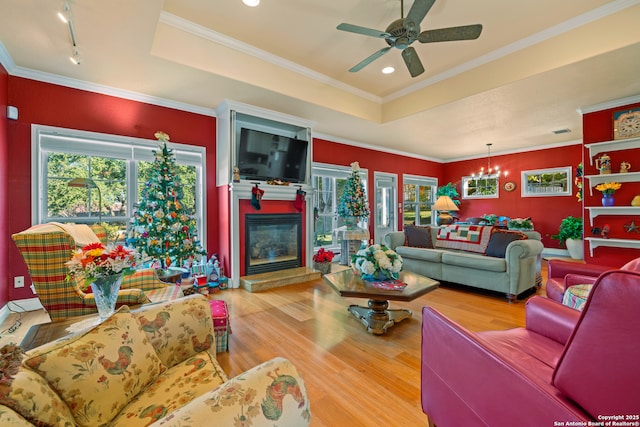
<point>83,366</point>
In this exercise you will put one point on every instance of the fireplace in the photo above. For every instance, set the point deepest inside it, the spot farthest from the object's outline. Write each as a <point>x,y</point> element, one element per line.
<point>273,242</point>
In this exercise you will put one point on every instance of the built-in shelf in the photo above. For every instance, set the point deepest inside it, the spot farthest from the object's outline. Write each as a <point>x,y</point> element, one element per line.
<point>608,146</point>
<point>611,177</point>
<point>595,211</point>
<point>595,242</point>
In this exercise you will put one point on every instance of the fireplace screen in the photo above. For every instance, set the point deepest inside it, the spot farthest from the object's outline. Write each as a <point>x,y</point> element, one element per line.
<point>272,242</point>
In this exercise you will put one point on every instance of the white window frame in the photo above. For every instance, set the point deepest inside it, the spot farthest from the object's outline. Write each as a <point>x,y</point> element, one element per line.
<point>47,139</point>
<point>339,172</point>
<point>465,187</point>
<point>524,184</point>
<point>420,181</point>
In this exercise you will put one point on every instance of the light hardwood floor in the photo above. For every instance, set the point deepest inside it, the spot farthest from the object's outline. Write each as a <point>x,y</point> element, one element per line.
<point>353,378</point>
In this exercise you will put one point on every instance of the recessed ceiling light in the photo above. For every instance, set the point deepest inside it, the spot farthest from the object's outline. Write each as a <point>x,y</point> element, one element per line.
<point>251,3</point>
<point>388,70</point>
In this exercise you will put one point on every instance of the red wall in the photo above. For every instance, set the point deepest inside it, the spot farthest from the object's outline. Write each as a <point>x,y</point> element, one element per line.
<point>53,105</point>
<point>4,186</point>
<point>545,212</point>
<point>598,127</point>
<point>375,161</point>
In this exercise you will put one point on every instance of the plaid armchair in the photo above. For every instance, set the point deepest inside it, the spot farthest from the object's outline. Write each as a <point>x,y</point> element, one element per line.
<point>46,247</point>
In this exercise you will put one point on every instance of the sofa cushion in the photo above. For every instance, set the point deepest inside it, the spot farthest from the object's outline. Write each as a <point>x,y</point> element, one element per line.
<point>173,389</point>
<point>499,241</point>
<point>418,236</point>
<point>167,327</point>
<point>98,371</point>
<point>474,261</point>
<point>472,238</point>
<point>431,255</point>
<point>27,393</point>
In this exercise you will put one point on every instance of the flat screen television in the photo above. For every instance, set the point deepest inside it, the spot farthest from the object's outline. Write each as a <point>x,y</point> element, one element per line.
<point>264,156</point>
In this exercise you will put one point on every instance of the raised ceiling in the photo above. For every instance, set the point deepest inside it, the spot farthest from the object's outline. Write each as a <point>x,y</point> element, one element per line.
<point>534,66</point>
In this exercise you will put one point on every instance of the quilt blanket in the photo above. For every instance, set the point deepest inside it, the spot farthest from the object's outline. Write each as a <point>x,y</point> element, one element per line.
<point>472,238</point>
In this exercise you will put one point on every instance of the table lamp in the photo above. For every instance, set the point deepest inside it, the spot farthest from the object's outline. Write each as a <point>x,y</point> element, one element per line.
<point>88,183</point>
<point>443,205</point>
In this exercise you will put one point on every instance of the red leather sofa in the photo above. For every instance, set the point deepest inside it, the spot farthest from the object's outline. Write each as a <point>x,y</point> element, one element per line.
<point>563,274</point>
<point>565,365</point>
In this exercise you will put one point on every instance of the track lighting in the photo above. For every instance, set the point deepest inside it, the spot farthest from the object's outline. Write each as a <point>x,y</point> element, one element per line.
<point>66,17</point>
<point>65,14</point>
<point>76,58</point>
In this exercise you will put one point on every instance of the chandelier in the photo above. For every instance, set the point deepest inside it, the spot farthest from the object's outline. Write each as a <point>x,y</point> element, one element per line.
<point>490,172</point>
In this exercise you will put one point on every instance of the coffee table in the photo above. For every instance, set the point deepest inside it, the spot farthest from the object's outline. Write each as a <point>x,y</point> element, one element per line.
<point>377,316</point>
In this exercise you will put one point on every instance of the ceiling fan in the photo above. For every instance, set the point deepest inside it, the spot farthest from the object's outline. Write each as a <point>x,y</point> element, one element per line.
<point>402,32</point>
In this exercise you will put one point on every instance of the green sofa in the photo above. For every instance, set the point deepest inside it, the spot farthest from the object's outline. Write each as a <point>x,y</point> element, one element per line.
<point>514,274</point>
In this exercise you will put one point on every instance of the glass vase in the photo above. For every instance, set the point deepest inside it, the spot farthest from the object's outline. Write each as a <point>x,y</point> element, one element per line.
<point>105,292</point>
<point>607,200</point>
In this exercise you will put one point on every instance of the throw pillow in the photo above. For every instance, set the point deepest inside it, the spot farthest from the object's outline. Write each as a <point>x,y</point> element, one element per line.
<point>101,370</point>
<point>417,236</point>
<point>499,241</point>
<point>28,393</point>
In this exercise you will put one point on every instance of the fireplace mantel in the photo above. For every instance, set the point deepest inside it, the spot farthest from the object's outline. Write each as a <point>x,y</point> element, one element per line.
<point>242,191</point>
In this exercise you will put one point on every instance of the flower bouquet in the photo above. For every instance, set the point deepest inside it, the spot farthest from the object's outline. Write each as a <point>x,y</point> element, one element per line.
<point>322,260</point>
<point>377,262</point>
<point>608,187</point>
<point>102,268</point>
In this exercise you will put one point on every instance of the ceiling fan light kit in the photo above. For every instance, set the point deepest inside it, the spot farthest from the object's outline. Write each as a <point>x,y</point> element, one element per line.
<point>402,32</point>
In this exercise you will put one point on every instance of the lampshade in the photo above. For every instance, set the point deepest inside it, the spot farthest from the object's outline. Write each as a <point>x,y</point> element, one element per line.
<point>444,203</point>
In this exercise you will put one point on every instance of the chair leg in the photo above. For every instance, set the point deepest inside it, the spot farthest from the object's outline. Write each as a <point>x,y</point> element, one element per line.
<point>431,423</point>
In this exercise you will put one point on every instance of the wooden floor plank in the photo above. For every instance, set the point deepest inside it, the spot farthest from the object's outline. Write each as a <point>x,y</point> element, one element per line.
<point>353,378</point>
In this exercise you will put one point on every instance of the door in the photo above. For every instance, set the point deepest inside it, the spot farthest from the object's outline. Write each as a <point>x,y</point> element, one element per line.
<point>386,199</point>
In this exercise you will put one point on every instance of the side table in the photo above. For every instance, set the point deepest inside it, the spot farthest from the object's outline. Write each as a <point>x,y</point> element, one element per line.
<point>350,241</point>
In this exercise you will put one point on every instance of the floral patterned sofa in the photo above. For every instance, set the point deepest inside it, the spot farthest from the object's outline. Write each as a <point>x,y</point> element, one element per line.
<point>155,366</point>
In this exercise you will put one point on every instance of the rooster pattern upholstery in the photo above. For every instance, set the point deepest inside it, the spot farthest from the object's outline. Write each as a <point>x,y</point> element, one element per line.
<point>153,366</point>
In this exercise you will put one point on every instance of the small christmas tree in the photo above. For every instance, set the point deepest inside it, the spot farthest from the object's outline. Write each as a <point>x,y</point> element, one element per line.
<point>161,227</point>
<point>353,202</point>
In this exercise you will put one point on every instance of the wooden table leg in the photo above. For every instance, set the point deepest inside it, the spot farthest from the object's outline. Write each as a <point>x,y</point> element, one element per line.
<point>376,317</point>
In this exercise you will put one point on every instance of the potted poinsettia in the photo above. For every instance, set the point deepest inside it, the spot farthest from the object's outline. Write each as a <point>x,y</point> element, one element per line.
<point>322,260</point>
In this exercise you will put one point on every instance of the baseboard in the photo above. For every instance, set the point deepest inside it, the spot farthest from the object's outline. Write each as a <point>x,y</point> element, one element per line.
<point>29,304</point>
<point>551,253</point>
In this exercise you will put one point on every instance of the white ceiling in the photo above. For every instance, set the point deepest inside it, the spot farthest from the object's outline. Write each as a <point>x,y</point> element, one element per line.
<point>534,65</point>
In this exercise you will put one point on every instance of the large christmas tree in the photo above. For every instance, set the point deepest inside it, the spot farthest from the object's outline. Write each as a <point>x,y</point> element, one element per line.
<point>353,202</point>
<point>161,227</point>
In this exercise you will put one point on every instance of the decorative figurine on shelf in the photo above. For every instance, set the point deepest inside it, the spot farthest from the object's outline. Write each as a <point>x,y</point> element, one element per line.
<point>236,174</point>
<point>605,231</point>
<point>624,167</point>
<point>604,164</point>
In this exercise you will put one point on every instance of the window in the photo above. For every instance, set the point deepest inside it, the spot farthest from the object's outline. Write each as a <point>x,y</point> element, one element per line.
<point>547,182</point>
<point>417,197</point>
<point>328,183</point>
<point>119,167</point>
<point>483,187</point>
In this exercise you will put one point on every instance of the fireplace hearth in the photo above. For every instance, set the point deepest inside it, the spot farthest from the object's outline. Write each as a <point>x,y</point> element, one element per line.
<point>273,242</point>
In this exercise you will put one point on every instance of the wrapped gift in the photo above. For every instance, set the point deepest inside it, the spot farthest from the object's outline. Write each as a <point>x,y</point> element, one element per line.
<point>221,324</point>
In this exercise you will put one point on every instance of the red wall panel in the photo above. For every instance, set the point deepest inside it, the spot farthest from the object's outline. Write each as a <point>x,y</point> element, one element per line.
<point>4,186</point>
<point>598,127</point>
<point>545,212</point>
<point>54,105</point>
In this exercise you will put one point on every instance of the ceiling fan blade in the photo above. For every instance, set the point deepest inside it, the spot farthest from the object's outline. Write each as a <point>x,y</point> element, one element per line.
<point>412,60</point>
<point>466,32</point>
<point>363,30</point>
<point>369,59</point>
<point>419,10</point>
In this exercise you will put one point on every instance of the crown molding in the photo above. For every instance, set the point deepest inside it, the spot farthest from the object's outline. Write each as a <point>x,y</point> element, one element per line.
<point>571,24</point>
<point>208,34</point>
<point>609,104</point>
